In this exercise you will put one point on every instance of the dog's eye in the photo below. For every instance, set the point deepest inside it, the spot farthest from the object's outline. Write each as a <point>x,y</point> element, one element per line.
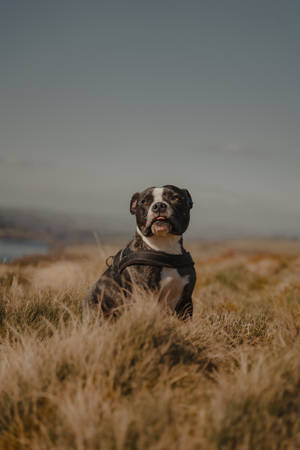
<point>143,201</point>
<point>176,198</point>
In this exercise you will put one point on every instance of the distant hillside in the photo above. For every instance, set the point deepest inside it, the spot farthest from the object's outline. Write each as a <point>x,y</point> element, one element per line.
<point>54,227</point>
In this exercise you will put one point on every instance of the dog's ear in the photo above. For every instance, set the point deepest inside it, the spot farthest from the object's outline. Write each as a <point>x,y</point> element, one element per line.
<point>188,198</point>
<point>133,202</point>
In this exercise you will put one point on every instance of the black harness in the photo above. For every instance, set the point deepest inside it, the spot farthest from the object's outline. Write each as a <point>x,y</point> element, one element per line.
<point>127,257</point>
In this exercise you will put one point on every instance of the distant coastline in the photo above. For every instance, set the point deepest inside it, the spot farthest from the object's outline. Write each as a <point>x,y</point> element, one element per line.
<point>12,248</point>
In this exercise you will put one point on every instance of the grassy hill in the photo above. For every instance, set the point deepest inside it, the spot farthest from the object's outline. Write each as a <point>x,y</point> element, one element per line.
<point>228,379</point>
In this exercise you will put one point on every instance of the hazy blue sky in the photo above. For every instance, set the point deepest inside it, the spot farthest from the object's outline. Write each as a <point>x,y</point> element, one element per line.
<point>100,99</point>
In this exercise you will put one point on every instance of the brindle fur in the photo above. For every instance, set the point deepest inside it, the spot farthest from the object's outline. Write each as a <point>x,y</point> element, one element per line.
<point>113,288</point>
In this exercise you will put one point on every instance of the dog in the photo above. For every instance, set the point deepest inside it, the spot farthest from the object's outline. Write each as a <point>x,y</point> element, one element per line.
<point>155,258</point>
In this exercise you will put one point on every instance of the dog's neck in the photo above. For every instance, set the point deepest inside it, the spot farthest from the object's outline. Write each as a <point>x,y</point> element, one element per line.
<point>168,244</point>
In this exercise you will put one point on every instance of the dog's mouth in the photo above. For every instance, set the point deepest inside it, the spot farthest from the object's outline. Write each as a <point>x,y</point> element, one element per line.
<point>161,225</point>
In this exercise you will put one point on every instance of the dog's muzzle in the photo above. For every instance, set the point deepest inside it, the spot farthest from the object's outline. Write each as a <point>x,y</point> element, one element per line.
<point>161,224</point>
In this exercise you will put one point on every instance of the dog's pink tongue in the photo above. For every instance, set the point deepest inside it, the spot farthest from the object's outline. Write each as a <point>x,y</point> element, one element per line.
<point>160,227</point>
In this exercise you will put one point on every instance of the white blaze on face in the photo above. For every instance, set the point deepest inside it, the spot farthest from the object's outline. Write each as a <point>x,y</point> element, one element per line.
<point>157,195</point>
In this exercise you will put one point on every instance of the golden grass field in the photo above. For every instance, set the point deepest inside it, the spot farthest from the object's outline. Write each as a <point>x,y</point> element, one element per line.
<point>228,379</point>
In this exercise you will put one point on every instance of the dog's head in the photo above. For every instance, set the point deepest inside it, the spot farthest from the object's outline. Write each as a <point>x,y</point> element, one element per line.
<point>160,211</point>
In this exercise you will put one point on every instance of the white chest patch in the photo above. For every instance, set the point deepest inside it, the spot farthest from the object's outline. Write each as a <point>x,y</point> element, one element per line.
<point>167,244</point>
<point>171,286</point>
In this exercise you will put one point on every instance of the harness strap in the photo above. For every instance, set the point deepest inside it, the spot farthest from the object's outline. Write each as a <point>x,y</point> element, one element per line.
<point>153,258</point>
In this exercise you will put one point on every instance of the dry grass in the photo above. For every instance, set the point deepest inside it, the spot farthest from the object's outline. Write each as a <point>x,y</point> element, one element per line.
<point>228,379</point>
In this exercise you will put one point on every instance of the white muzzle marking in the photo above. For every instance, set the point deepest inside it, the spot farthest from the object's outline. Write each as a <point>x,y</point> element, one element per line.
<point>157,197</point>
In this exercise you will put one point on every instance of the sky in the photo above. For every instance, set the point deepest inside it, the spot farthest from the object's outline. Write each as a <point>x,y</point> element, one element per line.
<point>100,99</point>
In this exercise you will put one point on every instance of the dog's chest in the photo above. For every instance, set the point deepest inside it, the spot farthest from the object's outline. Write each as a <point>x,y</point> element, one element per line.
<point>171,286</point>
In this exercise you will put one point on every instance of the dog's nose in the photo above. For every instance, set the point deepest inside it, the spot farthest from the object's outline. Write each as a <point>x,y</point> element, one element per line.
<point>159,207</point>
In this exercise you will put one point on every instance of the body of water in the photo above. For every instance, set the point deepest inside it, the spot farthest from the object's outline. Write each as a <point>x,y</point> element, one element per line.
<point>15,248</point>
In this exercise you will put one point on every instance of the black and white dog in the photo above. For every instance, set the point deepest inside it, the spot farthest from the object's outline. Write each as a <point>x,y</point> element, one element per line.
<point>155,257</point>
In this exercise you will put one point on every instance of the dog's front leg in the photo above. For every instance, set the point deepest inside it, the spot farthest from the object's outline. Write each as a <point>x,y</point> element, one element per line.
<point>105,295</point>
<point>184,309</point>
